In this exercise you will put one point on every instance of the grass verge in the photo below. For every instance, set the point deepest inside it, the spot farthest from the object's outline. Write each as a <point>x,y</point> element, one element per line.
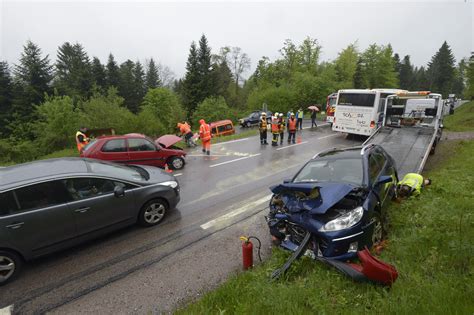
<point>431,242</point>
<point>462,119</point>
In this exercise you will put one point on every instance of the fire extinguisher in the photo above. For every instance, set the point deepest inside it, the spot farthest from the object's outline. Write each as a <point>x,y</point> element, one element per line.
<point>247,251</point>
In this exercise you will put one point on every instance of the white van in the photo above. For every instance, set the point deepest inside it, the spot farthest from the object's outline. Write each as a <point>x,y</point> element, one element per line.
<point>360,111</point>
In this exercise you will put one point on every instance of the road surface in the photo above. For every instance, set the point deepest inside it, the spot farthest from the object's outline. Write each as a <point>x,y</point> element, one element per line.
<point>138,270</point>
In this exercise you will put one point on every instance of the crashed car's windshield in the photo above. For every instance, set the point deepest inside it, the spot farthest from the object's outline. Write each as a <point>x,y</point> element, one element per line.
<point>332,170</point>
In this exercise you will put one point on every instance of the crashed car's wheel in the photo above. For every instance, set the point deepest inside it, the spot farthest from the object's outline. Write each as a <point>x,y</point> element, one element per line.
<point>248,124</point>
<point>10,265</point>
<point>152,212</point>
<point>378,231</point>
<point>176,163</point>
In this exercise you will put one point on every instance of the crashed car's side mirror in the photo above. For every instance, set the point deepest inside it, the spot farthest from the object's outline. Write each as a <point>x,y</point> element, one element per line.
<point>286,181</point>
<point>384,180</point>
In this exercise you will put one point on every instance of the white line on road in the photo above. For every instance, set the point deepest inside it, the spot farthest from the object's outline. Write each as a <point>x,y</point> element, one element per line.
<point>289,146</point>
<point>202,154</point>
<point>337,134</point>
<point>236,212</point>
<point>227,142</point>
<point>239,159</point>
<point>179,174</point>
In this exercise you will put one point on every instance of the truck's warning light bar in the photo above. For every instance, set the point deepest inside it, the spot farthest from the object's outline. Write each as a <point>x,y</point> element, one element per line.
<point>418,93</point>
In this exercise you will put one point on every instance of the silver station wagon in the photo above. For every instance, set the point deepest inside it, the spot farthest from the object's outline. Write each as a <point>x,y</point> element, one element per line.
<point>49,205</point>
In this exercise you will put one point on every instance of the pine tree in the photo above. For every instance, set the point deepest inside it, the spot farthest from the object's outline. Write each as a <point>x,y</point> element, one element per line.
<point>112,72</point>
<point>441,71</point>
<point>152,79</point>
<point>190,87</point>
<point>397,63</point>
<point>99,77</point>
<point>73,71</point>
<point>126,88</point>
<point>406,74</point>
<point>204,66</point>
<point>138,84</point>
<point>34,75</point>
<point>6,87</point>
<point>421,80</point>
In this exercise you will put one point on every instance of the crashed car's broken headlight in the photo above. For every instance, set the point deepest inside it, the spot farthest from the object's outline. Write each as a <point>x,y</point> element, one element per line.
<point>345,221</point>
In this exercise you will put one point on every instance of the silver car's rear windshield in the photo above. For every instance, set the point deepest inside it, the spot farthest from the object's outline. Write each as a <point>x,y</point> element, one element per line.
<point>119,171</point>
<point>348,170</point>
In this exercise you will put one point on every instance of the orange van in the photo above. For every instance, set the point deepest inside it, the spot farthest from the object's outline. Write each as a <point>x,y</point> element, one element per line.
<point>222,128</point>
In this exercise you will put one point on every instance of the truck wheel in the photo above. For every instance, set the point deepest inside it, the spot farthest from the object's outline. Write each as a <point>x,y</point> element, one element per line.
<point>176,163</point>
<point>433,150</point>
<point>10,266</point>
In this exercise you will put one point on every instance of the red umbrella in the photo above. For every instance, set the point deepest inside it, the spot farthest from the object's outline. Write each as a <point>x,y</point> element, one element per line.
<point>313,107</point>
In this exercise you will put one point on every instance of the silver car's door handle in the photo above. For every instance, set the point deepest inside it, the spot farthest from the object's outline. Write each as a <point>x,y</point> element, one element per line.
<point>82,210</point>
<point>15,226</point>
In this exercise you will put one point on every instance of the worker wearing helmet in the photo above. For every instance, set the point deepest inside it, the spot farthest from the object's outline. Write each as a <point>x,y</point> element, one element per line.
<point>282,127</point>
<point>205,135</point>
<point>292,125</point>
<point>275,129</point>
<point>411,185</point>
<point>262,126</point>
<point>81,139</point>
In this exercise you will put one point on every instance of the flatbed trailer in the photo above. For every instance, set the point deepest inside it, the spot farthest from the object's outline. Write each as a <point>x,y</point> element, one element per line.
<point>410,144</point>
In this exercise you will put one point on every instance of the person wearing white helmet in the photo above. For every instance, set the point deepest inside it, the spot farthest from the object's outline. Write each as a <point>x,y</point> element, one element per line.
<point>275,130</point>
<point>282,127</point>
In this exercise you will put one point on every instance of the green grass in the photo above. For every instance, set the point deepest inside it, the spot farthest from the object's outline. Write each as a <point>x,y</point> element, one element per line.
<point>462,119</point>
<point>431,243</point>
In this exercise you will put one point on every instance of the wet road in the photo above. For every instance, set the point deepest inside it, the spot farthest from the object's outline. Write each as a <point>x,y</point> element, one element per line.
<point>138,270</point>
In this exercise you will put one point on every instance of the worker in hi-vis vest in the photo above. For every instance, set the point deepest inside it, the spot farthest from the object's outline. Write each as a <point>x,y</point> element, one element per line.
<point>275,129</point>
<point>81,139</point>
<point>205,135</point>
<point>411,185</point>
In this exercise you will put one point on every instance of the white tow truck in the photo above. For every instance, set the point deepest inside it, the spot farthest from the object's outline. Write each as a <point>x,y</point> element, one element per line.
<point>411,128</point>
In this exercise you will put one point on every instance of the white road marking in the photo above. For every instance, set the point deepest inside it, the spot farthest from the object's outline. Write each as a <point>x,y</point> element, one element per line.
<point>6,310</point>
<point>227,142</point>
<point>202,154</point>
<point>289,146</point>
<point>236,212</point>
<point>337,134</point>
<point>179,174</point>
<point>239,159</point>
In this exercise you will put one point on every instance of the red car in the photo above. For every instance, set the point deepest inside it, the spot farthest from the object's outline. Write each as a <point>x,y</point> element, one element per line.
<point>137,149</point>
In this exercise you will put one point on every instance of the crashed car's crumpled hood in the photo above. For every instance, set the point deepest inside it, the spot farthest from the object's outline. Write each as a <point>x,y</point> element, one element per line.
<point>168,140</point>
<point>329,195</point>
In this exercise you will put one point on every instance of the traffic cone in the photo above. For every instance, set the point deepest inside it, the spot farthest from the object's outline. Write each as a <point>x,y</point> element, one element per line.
<point>167,169</point>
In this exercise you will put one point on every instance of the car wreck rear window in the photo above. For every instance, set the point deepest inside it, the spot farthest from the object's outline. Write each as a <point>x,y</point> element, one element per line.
<point>349,170</point>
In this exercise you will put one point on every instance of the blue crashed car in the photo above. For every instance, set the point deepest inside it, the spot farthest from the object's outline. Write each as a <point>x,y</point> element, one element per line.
<point>339,197</point>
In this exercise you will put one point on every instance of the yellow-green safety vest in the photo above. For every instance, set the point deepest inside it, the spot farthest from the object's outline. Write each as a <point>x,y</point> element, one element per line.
<point>414,181</point>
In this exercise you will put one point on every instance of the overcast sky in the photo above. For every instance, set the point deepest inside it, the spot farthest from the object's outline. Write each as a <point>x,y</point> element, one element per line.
<point>164,30</point>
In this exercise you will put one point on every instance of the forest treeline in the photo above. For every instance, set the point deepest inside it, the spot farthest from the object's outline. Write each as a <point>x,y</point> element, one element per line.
<point>43,102</point>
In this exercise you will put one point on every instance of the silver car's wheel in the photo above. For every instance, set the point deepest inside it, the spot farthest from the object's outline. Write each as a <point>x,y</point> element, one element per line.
<point>9,266</point>
<point>153,212</point>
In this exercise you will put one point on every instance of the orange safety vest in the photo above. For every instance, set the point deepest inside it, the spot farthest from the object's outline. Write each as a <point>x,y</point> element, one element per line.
<point>292,124</point>
<point>205,132</point>
<point>275,125</point>
<point>184,129</point>
<point>81,145</point>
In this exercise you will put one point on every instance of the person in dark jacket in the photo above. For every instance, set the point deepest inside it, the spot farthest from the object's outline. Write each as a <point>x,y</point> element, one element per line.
<point>313,119</point>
